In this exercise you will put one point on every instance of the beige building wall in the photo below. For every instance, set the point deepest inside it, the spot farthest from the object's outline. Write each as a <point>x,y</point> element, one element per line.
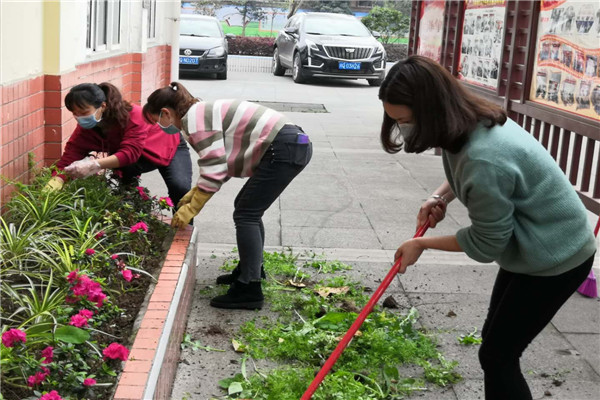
<point>21,44</point>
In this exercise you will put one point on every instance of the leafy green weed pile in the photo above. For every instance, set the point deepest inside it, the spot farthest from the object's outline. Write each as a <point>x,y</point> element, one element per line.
<point>316,303</point>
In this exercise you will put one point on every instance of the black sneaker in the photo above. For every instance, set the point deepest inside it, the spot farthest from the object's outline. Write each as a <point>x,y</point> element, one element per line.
<point>228,279</point>
<point>240,295</point>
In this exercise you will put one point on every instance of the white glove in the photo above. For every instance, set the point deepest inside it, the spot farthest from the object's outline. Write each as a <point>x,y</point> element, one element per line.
<point>83,168</point>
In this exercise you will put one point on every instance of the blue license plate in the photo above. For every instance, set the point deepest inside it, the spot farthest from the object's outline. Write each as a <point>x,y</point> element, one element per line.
<point>349,65</point>
<point>188,60</point>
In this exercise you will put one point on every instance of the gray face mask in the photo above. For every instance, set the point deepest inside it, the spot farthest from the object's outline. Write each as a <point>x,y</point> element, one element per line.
<point>405,130</point>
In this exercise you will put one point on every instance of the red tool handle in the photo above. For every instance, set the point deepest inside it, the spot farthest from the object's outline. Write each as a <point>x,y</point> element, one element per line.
<point>597,227</point>
<point>357,323</point>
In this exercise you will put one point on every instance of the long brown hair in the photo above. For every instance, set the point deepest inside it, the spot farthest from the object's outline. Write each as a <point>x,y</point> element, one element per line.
<point>174,96</point>
<point>444,111</point>
<point>89,94</point>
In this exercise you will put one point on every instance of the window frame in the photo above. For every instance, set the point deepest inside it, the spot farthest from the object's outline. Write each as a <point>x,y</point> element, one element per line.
<point>94,20</point>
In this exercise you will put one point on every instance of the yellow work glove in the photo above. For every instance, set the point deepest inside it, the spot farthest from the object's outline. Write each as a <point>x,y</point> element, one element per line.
<point>189,206</point>
<point>55,183</point>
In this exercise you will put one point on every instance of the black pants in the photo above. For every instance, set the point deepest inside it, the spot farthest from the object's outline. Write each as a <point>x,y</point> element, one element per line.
<point>282,162</point>
<point>177,175</point>
<point>520,307</point>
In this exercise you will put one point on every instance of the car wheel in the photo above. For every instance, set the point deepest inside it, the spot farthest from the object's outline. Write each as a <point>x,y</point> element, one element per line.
<point>276,67</point>
<point>297,70</point>
<point>222,75</point>
<point>375,82</point>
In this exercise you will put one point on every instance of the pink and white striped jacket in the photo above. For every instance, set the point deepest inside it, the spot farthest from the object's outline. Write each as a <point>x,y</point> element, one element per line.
<point>230,137</point>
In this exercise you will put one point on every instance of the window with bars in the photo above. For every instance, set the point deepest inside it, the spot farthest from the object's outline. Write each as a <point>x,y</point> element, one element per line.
<point>103,24</point>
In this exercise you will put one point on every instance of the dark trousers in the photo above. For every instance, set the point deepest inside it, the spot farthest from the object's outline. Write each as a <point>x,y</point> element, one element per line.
<point>520,307</point>
<point>177,175</point>
<point>282,162</point>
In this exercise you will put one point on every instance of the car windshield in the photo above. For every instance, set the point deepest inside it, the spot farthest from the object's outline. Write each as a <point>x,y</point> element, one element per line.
<point>324,25</point>
<point>206,28</point>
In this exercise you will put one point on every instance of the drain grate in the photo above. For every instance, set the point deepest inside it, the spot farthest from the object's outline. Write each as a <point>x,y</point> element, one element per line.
<point>293,107</point>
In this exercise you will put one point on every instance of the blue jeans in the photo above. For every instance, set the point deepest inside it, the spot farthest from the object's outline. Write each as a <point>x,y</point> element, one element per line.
<point>282,162</point>
<point>177,175</point>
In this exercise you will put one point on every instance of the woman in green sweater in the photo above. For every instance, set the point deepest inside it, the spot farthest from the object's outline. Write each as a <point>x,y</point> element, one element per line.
<point>525,214</point>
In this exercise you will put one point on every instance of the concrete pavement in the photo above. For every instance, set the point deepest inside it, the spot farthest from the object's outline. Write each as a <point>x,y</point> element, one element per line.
<point>356,204</point>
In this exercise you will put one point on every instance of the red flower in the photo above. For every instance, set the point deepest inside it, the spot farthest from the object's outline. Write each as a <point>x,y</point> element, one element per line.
<point>89,382</point>
<point>90,252</point>
<point>48,354</point>
<point>13,335</point>
<point>116,351</point>
<point>142,193</point>
<point>114,256</point>
<point>78,321</point>
<point>100,235</point>
<point>138,226</point>
<point>127,274</point>
<point>53,395</point>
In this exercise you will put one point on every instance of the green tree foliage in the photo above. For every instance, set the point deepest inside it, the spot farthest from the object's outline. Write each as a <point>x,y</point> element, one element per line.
<point>205,7</point>
<point>388,22</point>
<point>250,11</point>
<point>333,6</point>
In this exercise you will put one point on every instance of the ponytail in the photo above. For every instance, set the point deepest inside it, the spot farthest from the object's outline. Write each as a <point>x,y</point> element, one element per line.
<point>89,94</point>
<point>174,96</point>
<point>117,109</point>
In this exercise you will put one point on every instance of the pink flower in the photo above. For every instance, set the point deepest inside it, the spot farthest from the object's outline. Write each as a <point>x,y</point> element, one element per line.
<point>99,299</point>
<point>114,256</point>
<point>89,382</point>
<point>100,235</point>
<point>90,252</point>
<point>86,313</point>
<point>142,193</point>
<point>13,335</point>
<point>37,378</point>
<point>71,300</point>
<point>127,274</point>
<point>78,321</point>
<point>116,351</point>
<point>53,395</point>
<point>72,277</point>
<point>48,354</point>
<point>165,202</point>
<point>90,289</point>
<point>138,226</point>
<point>136,276</point>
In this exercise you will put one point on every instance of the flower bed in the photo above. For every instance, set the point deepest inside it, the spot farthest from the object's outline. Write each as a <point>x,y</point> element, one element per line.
<point>76,267</point>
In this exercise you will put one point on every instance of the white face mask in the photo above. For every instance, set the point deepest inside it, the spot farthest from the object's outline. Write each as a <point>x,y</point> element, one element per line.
<point>405,130</point>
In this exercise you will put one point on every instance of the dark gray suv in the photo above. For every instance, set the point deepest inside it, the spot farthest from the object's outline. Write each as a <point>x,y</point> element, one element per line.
<point>202,46</point>
<point>328,46</point>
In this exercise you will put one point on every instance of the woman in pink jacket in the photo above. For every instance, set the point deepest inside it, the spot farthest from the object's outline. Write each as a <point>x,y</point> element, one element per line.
<point>108,124</point>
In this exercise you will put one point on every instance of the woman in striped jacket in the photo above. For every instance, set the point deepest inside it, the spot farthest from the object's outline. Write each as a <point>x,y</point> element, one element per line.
<point>234,138</point>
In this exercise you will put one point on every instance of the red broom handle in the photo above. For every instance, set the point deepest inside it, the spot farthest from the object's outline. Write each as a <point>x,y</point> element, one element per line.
<point>597,227</point>
<point>357,323</point>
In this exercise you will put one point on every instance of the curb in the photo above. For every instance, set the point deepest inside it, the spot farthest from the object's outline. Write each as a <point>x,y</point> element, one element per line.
<point>152,364</point>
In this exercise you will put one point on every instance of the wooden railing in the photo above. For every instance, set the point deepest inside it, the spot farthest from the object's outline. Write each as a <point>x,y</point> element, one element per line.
<point>573,141</point>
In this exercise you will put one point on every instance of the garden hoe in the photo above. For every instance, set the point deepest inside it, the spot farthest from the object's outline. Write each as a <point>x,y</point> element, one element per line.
<point>357,323</point>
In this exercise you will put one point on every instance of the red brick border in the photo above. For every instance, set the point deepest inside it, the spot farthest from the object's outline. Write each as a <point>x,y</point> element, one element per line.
<point>153,358</point>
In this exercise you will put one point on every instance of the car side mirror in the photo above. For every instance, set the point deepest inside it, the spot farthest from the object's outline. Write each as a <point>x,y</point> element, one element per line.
<point>376,34</point>
<point>291,30</point>
<point>230,36</point>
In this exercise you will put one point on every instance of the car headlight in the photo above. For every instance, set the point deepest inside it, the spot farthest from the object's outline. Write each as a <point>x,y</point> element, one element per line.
<point>379,49</point>
<point>216,52</point>
<point>312,46</point>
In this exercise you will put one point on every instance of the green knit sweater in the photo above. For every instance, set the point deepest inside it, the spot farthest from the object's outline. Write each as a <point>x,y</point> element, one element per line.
<point>524,212</point>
